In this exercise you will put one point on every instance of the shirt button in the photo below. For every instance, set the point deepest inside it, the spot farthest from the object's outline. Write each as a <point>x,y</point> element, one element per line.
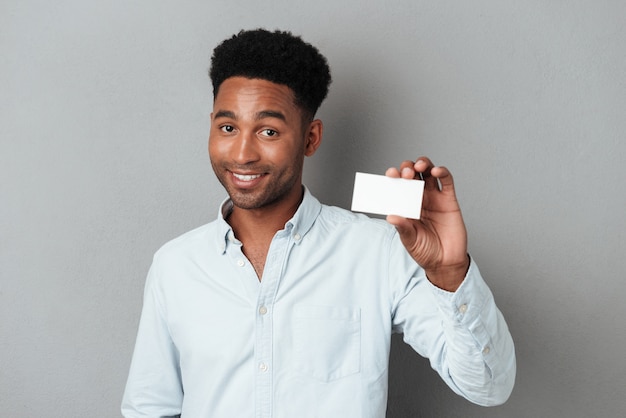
<point>262,310</point>
<point>463,308</point>
<point>241,263</point>
<point>486,350</point>
<point>263,367</point>
<point>297,237</point>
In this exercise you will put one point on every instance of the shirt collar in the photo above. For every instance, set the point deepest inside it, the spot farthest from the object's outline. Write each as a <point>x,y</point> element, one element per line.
<point>224,231</point>
<point>299,224</point>
<point>305,216</point>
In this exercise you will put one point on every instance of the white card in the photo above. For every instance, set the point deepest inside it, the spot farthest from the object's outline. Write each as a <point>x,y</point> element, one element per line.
<point>387,196</point>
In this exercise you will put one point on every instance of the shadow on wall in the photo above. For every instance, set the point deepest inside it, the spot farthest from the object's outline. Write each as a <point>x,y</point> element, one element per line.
<point>416,390</point>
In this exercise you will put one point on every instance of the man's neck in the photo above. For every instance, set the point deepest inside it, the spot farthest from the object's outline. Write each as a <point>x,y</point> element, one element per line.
<point>255,228</point>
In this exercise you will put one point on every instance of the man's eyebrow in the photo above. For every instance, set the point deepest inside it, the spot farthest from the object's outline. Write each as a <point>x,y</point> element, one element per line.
<point>270,114</point>
<point>224,114</point>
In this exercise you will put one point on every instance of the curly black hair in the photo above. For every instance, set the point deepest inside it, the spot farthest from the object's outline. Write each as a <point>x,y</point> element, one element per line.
<point>279,57</point>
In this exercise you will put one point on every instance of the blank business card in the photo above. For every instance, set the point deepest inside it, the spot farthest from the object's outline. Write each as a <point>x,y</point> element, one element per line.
<point>384,195</point>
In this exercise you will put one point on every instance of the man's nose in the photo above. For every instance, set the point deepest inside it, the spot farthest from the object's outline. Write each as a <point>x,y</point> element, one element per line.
<point>245,150</point>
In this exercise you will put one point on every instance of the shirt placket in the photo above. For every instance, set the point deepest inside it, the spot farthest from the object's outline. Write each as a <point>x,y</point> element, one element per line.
<point>263,353</point>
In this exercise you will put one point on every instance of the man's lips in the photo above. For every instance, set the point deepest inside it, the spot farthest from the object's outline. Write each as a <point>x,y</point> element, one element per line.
<point>246,180</point>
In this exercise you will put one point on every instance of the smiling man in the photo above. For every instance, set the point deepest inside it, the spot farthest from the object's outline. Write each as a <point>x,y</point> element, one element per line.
<point>284,307</point>
<point>259,138</point>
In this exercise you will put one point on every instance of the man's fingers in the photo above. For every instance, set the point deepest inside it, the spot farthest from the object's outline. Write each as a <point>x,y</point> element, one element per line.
<point>435,178</point>
<point>406,164</point>
<point>445,178</point>
<point>424,166</point>
<point>392,172</point>
<point>406,171</point>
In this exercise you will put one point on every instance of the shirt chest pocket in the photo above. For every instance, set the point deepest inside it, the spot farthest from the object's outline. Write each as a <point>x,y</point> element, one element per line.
<point>327,341</point>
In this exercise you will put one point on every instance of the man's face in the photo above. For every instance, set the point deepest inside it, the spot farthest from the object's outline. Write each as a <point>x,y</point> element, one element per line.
<point>258,142</point>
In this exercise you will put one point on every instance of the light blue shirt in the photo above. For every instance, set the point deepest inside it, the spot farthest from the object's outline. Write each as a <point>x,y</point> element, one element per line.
<point>312,338</point>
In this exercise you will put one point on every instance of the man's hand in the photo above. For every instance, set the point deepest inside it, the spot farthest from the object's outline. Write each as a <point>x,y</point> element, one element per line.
<point>438,241</point>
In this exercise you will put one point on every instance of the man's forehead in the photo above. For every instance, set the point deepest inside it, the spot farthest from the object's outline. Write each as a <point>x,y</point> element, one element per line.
<point>240,94</point>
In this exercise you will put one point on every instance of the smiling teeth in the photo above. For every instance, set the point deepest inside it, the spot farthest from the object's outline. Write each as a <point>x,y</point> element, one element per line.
<point>248,177</point>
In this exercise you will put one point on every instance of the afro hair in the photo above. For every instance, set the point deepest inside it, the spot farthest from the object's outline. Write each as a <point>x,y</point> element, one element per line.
<point>279,57</point>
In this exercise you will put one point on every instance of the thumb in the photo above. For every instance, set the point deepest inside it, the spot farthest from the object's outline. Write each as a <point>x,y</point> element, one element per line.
<point>406,229</point>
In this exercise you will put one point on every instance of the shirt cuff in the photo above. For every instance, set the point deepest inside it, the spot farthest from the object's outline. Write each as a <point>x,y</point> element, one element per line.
<point>469,307</point>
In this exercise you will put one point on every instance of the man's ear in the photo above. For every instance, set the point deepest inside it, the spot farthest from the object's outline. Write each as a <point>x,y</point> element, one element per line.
<point>313,137</point>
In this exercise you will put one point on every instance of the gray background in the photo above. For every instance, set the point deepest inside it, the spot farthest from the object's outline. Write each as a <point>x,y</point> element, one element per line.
<point>104,119</point>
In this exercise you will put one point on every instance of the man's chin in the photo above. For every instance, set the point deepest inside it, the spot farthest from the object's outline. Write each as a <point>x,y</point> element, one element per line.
<point>246,200</point>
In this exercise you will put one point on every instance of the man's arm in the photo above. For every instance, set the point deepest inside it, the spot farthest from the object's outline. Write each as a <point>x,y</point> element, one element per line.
<point>451,317</point>
<point>462,333</point>
<point>154,388</point>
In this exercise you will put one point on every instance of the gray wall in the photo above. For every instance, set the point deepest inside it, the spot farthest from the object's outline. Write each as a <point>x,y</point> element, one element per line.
<point>104,118</point>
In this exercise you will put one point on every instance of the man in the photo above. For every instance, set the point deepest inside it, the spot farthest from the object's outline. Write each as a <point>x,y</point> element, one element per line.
<point>284,307</point>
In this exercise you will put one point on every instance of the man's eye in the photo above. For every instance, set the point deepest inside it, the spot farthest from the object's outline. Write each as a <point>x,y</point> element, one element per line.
<point>227,129</point>
<point>269,132</point>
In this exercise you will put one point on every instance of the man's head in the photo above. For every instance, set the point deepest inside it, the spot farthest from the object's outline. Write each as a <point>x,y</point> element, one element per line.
<point>279,57</point>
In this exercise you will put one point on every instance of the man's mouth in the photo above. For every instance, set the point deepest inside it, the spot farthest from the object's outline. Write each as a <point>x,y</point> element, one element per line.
<point>246,177</point>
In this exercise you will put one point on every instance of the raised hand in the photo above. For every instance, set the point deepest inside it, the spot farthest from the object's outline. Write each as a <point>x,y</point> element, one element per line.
<point>437,241</point>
